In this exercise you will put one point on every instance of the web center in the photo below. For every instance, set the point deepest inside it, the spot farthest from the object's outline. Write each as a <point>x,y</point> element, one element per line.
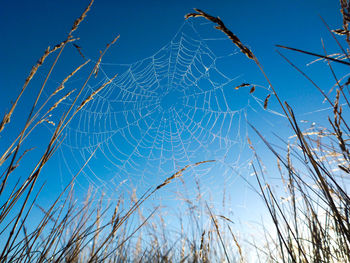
<point>171,99</point>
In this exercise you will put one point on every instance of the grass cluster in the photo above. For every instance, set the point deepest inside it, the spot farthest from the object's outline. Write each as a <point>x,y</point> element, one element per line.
<point>311,217</point>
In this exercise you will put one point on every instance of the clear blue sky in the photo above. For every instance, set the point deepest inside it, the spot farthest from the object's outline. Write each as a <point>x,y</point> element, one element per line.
<point>28,27</point>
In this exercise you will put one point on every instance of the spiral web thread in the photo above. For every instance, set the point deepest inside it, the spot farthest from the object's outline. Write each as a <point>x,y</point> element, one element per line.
<point>162,113</point>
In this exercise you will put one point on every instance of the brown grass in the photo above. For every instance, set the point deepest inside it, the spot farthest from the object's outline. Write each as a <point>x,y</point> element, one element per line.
<point>310,218</point>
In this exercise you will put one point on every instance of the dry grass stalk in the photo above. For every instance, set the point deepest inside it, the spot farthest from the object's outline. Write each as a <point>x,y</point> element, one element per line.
<point>218,232</point>
<point>18,191</point>
<point>60,100</point>
<point>10,150</point>
<point>93,71</point>
<point>221,26</point>
<point>93,94</point>
<point>14,150</point>
<point>97,66</point>
<point>179,173</point>
<point>316,55</point>
<point>290,242</point>
<point>6,119</point>
<point>61,86</point>
<point>243,49</point>
<point>73,228</point>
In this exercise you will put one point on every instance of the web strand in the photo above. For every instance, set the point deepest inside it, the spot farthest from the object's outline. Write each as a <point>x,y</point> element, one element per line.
<point>162,113</point>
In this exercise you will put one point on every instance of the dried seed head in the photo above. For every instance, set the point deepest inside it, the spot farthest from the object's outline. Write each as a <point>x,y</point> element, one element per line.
<point>78,48</point>
<point>60,100</point>
<point>221,26</point>
<point>179,173</point>
<point>252,90</point>
<point>242,85</point>
<point>340,31</point>
<point>61,87</point>
<point>80,19</point>
<point>266,101</point>
<point>92,95</point>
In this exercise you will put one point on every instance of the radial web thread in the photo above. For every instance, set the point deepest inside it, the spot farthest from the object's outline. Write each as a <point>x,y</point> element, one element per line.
<point>174,108</point>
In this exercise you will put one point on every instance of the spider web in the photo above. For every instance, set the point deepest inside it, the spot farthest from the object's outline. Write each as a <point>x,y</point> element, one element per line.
<point>164,112</point>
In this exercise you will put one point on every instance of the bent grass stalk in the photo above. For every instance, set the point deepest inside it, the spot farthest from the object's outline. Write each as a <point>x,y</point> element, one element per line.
<point>72,233</point>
